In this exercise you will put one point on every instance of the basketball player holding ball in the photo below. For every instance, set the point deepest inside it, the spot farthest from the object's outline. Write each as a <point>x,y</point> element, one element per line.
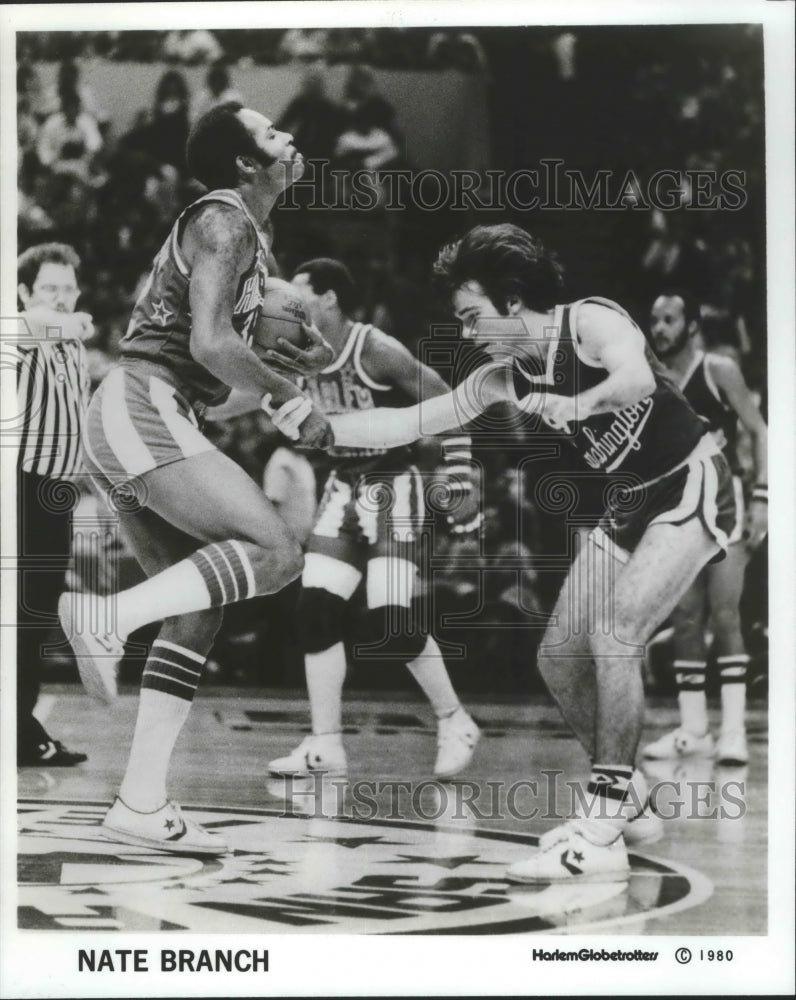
<point>203,532</point>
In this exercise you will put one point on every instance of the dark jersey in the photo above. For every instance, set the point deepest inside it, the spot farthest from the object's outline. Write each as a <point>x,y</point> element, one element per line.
<point>703,394</point>
<point>645,440</point>
<point>344,387</point>
<point>160,327</point>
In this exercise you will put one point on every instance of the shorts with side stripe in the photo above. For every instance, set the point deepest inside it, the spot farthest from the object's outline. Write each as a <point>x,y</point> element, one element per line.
<point>701,487</point>
<point>138,421</point>
<point>361,515</point>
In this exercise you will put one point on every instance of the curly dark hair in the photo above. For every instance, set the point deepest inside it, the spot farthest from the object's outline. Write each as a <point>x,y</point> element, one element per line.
<point>214,143</point>
<point>505,261</point>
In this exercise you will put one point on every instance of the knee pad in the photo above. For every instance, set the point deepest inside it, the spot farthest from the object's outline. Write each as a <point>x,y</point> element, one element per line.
<point>320,619</point>
<point>391,633</point>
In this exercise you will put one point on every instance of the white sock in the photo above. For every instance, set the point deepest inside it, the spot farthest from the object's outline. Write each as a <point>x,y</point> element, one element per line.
<point>691,697</point>
<point>732,671</point>
<point>430,672</point>
<point>325,673</point>
<point>178,590</point>
<point>610,800</point>
<point>160,719</point>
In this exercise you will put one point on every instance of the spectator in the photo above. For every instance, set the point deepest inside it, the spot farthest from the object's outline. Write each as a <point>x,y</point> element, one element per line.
<point>164,133</point>
<point>192,47</point>
<point>69,81</point>
<point>311,118</point>
<point>218,89</point>
<point>303,44</point>
<point>70,140</point>
<point>363,102</point>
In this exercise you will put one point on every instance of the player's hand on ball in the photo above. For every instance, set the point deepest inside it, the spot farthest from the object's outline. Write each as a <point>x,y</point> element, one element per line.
<point>307,360</point>
<point>558,411</point>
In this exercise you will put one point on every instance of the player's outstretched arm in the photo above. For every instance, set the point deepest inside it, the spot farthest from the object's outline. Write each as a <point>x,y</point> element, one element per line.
<point>392,427</point>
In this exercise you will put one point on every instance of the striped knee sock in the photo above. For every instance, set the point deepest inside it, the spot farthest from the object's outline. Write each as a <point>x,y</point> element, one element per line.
<point>169,681</point>
<point>172,669</point>
<point>690,676</point>
<point>226,570</point>
<point>732,675</point>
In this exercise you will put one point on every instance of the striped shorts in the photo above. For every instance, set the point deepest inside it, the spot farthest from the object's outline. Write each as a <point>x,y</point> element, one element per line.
<point>137,421</point>
<point>701,487</point>
<point>358,512</point>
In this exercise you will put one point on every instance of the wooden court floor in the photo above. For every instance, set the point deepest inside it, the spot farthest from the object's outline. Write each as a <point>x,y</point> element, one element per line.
<point>387,850</point>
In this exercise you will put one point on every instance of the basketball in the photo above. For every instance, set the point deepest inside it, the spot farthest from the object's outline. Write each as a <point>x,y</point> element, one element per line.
<point>283,311</point>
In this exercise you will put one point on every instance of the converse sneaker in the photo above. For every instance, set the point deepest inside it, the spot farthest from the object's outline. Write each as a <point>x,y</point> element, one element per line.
<point>644,828</point>
<point>680,743</point>
<point>315,754</point>
<point>457,737</point>
<point>97,655</point>
<point>166,829</point>
<point>732,748</point>
<point>565,855</point>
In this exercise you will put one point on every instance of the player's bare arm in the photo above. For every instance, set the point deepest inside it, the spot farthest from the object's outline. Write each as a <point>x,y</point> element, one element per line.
<point>611,341</point>
<point>42,324</point>
<point>732,385</point>
<point>218,244</point>
<point>387,360</point>
<point>392,427</point>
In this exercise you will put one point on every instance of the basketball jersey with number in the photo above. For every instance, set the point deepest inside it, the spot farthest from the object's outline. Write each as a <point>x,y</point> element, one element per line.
<point>345,387</point>
<point>703,394</point>
<point>160,327</point>
<point>645,440</point>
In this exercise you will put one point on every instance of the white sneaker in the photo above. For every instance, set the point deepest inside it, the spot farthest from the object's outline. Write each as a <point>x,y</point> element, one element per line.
<point>732,748</point>
<point>166,829</point>
<point>457,738</point>
<point>565,855</point>
<point>98,655</point>
<point>645,828</point>
<point>680,743</point>
<point>322,754</point>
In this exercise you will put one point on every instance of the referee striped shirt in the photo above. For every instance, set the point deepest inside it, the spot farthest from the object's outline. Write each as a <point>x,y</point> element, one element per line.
<point>53,393</point>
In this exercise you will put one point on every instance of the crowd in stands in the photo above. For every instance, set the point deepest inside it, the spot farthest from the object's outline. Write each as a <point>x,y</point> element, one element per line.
<point>115,196</point>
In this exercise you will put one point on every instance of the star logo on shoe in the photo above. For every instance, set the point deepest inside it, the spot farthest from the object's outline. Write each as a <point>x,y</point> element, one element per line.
<point>169,824</point>
<point>567,863</point>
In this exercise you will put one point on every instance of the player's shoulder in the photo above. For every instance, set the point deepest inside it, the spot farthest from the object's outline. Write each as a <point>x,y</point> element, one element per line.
<point>217,226</point>
<point>379,346</point>
<point>723,369</point>
<point>595,315</point>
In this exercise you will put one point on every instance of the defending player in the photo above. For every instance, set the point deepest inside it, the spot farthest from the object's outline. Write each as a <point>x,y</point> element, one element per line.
<point>715,388</point>
<point>201,529</point>
<point>584,371</point>
<point>356,533</point>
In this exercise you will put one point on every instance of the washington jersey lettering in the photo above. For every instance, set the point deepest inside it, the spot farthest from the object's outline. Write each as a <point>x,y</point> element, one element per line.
<point>646,439</point>
<point>160,326</point>
<point>703,394</point>
<point>344,387</point>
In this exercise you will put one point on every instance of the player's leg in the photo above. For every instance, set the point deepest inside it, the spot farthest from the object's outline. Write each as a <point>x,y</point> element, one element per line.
<point>690,660</point>
<point>332,572</point>
<point>725,585</point>
<point>142,811</point>
<point>629,608</point>
<point>392,516</point>
<point>248,551</point>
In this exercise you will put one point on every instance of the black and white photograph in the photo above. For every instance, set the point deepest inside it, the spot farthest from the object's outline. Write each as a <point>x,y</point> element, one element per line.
<point>397,499</point>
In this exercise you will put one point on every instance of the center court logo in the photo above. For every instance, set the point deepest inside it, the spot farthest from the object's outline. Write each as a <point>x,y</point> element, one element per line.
<point>289,873</point>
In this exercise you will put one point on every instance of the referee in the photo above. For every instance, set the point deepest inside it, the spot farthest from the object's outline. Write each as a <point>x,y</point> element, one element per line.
<point>53,389</point>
